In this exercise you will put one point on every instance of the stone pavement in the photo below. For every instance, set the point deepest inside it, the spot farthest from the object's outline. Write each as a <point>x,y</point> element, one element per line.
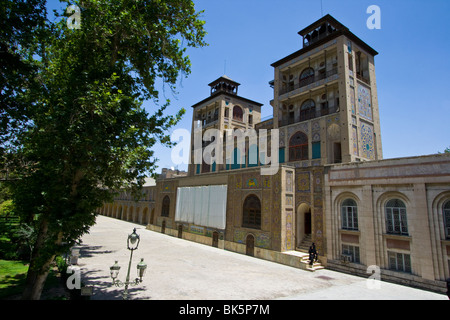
<point>183,270</point>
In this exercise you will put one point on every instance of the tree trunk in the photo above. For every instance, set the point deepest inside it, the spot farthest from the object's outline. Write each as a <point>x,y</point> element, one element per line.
<point>39,266</point>
<point>35,282</point>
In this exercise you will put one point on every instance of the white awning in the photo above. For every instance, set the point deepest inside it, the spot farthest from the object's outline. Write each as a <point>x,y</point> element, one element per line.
<point>204,206</point>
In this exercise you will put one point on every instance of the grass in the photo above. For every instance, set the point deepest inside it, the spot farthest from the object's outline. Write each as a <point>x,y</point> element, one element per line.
<point>13,275</point>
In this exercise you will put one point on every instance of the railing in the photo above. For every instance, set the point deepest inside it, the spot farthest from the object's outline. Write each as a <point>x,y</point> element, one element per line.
<point>308,80</point>
<point>308,116</point>
<point>204,122</point>
<point>360,77</point>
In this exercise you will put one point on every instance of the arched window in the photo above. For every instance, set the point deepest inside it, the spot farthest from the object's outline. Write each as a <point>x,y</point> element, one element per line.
<point>238,114</point>
<point>306,77</point>
<point>252,212</point>
<point>298,147</point>
<point>446,215</point>
<point>165,207</point>
<point>349,211</point>
<point>396,217</point>
<point>308,72</point>
<point>308,110</point>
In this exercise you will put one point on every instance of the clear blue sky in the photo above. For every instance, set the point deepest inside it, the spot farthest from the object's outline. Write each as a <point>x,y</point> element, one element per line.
<point>412,68</point>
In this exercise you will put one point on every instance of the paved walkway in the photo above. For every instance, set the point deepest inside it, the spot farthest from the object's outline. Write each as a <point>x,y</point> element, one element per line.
<point>183,270</point>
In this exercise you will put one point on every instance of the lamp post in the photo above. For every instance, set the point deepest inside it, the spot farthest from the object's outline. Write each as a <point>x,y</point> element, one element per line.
<point>132,244</point>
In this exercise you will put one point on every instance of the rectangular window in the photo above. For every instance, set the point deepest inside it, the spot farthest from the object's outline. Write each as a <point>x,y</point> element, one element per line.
<point>350,62</point>
<point>349,218</point>
<point>396,221</point>
<point>351,251</point>
<point>399,262</point>
<point>316,154</point>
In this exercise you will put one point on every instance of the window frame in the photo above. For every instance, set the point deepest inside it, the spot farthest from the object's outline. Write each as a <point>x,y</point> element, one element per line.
<point>238,115</point>
<point>352,251</point>
<point>251,212</point>
<point>300,151</point>
<point>400,262</point>
<point>165,207</point>
<point>349,215</point>
<point>308,110</point>
<point>396,217</point>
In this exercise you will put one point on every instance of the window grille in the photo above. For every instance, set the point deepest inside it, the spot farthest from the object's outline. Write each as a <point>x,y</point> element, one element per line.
<point>396,222</point>
<point>349,211</point>
<point>252,212</point>
<point>399,262</point>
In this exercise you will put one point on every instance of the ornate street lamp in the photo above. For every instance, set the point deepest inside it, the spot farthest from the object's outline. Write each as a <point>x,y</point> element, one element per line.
<point>132,244</point>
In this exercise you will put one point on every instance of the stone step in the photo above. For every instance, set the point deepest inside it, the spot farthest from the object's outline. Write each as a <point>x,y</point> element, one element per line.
<point>304,261</point>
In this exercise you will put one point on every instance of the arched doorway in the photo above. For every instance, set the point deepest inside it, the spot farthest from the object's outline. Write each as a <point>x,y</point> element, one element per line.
<point>130,214</point>
<point>165,208</point>
<point>250,245</point>
<point>144,216</point>
<point>215,239</point>
<point>123,216</point>
<point>303,223</point>
<point>136,215</point>
<point>163,227</point>
<point>152,216</point>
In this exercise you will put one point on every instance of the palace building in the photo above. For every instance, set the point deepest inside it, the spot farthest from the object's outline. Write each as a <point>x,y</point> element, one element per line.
<point>332,186</point>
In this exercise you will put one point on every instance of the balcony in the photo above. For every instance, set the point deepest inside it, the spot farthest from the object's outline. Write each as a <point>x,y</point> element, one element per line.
<point>311,114</point>
<point>308,80</point>
<point>363,79</point>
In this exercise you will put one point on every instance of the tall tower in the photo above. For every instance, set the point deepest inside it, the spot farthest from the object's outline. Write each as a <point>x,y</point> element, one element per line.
<point>222,110</point>
<point>325,98</point>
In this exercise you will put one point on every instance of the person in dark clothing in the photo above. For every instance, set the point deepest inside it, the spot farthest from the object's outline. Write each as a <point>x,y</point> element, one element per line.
<point>312,254</point>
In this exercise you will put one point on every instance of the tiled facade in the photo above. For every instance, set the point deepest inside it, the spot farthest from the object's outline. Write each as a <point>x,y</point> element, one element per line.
<point>332,187</point>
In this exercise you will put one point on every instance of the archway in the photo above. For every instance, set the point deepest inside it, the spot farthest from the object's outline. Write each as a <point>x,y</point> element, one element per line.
<point>215,239</point>
<point>144,216</point>
<point>163,227</point>
<point>123,216</point>
<point>250,245</point>
<point>152,215</point>
<point>303,223</point>
<point>130,214</point>
<point>136,215</point>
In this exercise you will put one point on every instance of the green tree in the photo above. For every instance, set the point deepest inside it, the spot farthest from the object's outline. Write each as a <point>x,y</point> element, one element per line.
<point>87,132</point>
<point>22,25</point>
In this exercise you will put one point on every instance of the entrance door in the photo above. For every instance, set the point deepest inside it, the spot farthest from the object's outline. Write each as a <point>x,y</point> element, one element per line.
<point>152,216</point>
<point>308,222</point>
<point>250,242</point>
<point>215,239</point>
<point>337,153</point>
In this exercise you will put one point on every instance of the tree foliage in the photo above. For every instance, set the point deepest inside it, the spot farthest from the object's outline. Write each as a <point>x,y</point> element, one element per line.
<point>84,131</point>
